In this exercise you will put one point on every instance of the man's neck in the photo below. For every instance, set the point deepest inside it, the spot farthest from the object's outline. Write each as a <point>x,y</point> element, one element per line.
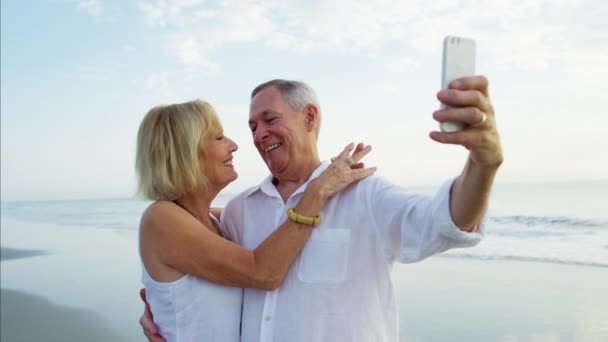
<point>287,185</point>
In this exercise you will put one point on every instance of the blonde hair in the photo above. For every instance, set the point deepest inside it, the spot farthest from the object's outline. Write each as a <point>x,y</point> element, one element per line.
<point>168,162</point>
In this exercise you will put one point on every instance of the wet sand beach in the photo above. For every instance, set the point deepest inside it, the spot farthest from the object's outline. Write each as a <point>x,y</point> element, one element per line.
<point>14,253</point>
<point>28,318</point>
<point>81,284</point>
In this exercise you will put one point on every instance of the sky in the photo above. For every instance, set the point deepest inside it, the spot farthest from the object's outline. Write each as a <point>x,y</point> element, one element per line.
<point>77,77</point>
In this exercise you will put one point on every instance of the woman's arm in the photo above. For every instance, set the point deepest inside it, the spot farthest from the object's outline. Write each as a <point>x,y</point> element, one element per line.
<point>178,240</point>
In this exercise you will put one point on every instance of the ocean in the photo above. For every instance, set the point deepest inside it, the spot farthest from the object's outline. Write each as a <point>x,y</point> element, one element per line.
<point>564,223</point>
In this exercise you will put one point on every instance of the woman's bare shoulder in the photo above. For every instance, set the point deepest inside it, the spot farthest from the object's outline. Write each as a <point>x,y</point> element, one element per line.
<point>157,213</point>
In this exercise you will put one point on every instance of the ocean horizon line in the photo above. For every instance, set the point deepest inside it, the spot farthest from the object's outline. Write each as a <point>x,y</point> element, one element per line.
<point>235,192</point>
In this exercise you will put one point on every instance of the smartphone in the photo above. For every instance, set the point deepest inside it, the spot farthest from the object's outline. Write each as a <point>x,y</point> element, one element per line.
<point>458,61</point>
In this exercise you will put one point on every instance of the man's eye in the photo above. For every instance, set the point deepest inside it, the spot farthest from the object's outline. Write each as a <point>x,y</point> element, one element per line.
<point>220,137</point>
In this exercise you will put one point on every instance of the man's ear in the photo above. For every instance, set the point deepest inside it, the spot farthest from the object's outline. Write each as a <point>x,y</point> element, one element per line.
<point>311,113</point>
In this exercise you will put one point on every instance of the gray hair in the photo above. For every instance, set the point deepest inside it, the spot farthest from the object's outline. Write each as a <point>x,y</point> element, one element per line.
<point>296,94</point>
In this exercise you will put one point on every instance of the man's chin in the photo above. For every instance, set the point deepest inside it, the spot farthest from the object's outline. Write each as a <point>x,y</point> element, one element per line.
<point>275,167</point>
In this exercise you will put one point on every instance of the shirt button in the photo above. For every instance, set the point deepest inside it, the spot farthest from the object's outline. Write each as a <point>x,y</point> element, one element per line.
<point>268,318</point>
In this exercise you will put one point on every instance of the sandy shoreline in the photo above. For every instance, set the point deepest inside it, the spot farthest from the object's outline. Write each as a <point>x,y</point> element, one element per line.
<point>15,253</point>
<point>87,290</point>
<point>440,299</point>
<point>69,283</point>
<point>452,299</point>
<point>28,317</point>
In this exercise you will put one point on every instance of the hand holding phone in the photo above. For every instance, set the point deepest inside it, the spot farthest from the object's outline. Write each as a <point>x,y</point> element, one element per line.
<point>458,61</point>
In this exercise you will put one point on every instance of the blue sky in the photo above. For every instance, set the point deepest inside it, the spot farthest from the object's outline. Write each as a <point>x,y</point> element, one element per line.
<point>78,77</point>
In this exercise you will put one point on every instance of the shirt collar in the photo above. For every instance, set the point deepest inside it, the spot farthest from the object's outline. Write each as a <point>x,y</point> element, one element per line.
<point>268,188</point>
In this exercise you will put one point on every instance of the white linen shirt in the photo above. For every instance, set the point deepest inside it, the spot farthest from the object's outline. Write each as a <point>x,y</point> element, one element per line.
<point>339,287</point>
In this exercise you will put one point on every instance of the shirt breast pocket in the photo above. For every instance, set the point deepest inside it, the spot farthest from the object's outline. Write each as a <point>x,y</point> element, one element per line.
<point>324,258</point>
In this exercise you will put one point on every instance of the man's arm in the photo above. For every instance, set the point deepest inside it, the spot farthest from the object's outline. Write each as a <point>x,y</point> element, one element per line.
<point>467,100</point>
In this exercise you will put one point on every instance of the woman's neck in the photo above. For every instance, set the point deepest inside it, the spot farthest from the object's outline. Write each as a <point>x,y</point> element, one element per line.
<point>197,204</point>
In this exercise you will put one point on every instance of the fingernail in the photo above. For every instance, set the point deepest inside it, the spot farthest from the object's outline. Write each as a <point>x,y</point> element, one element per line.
<point>455,84</point>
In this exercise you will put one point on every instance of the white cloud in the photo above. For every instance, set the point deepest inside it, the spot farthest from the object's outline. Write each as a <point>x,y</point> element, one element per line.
<point>159,80</point>
<point>284,41</point>
<point>159,83</point>
<point>189,51</point>
<point>165,11</point>
<point>524,34</point>
<point>193,30</point>
<point>154,14</point>
<point>92,7</point>
<point>390,88</point>
<point>404,65</point>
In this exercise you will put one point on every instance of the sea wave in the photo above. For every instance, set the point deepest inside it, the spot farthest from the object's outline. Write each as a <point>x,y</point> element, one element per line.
<point>553,239</point>
<point>118,214</point>
<point>550,221</point>
<point>550,260</point>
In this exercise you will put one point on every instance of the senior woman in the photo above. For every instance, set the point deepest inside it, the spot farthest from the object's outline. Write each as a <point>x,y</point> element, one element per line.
<point>193,275</point>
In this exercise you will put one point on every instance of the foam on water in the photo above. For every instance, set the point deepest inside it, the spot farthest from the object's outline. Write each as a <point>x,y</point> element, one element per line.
<point>555,239</point>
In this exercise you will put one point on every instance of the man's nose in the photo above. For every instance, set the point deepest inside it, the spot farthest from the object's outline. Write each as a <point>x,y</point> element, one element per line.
<point>260,133</point>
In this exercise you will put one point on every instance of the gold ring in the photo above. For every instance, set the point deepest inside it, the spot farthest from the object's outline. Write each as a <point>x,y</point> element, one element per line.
<point>484,117</point>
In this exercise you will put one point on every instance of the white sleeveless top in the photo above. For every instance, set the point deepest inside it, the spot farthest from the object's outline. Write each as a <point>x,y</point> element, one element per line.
<point>192,309</point>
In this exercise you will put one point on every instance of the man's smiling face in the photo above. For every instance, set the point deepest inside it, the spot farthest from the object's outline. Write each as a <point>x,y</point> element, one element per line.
<point>279,132</point>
